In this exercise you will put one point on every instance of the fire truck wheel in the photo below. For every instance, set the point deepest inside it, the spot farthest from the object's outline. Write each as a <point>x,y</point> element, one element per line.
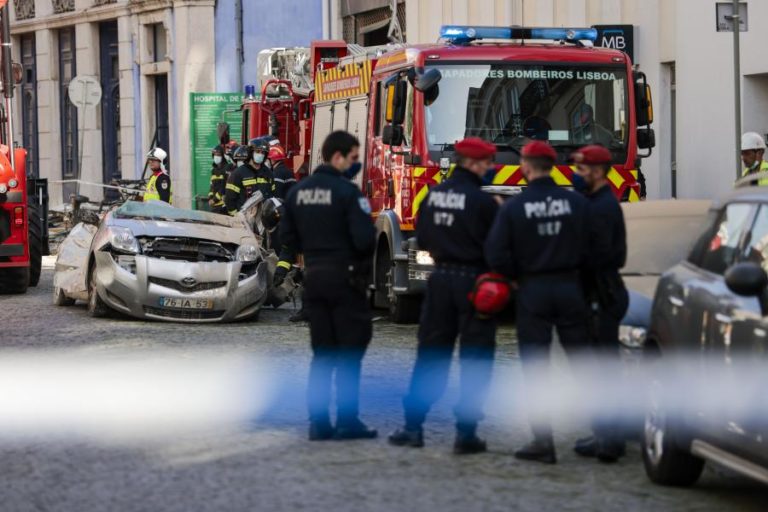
<point>96,307</point>
<point>14,280</point>
<point>35,245</point>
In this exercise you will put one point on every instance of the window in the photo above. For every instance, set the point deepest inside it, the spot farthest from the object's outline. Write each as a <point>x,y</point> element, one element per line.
<point>509,104</point>
<point>720,245</point>
<point>29,128</point>
<point>159,42</point>
<point>757,242</point>
<point>382,109</point>
<point>69,135</point>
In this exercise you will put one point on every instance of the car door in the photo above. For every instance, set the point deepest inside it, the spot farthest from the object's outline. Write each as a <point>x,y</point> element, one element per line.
<point>708,304</point>
<point>744,354</point>
<point>716,368</point>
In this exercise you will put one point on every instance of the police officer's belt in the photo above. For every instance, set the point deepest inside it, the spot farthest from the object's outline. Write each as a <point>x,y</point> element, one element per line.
<point>459,268</point>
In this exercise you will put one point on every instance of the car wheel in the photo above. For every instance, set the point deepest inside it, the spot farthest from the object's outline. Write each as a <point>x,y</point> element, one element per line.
<point>96,307</point>
<point>666,461</point>
<point>60,298</point>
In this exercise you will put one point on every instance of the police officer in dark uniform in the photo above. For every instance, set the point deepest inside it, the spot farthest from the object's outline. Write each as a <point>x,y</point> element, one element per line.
<point>606,293</point>
<point>328,220</point>
<point>249,178</point>
<point>453,223</point>
<point>540,239</point>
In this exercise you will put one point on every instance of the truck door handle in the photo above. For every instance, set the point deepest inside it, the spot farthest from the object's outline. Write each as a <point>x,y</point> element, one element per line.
<point>676,301</point>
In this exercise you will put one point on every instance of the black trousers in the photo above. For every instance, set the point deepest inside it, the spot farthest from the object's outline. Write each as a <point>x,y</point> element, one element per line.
<point>446,315</point>
<point>340,331</point>
<point>545,303</point>
<point>609,420</point>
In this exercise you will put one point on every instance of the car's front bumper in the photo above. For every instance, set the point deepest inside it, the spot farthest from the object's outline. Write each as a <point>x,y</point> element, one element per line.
<point>139,294</point>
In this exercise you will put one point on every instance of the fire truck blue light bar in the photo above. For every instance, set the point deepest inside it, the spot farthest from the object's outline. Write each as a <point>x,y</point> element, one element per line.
<point>462,33</point>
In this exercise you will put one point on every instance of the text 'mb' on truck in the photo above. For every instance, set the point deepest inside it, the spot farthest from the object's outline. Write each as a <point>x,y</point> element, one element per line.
<point>409,105</point>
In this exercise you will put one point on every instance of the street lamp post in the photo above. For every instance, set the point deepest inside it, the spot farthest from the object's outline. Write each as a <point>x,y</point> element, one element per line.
<point>737,82</point>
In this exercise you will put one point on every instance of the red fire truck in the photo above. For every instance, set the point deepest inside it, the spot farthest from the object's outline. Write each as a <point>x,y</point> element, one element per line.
<point>408,105</point>
<point>22,204</point>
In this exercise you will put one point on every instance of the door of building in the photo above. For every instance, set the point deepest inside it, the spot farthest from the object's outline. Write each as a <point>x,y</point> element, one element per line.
<point>162,123</point>
<point>110,108</point>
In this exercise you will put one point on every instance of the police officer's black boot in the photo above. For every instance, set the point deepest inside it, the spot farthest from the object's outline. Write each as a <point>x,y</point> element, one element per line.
<point>354,429</point>
<point>407,436</point>
<point>541,449</point>
<point>586,446</point>
<point>467,442</point>
<point>608,450</point>
<point>320,429</point>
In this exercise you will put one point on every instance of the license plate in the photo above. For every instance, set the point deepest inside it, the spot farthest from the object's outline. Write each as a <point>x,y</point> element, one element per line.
<point>171,302</point>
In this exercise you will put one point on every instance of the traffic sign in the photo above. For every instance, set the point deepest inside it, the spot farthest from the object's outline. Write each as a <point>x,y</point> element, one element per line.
<point>85,91</point>
<point>725,17</point>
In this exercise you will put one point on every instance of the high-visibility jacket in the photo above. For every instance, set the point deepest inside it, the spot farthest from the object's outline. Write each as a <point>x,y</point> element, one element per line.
<point>763,182</point>
<point>219,177</point>
<point>159,188</point>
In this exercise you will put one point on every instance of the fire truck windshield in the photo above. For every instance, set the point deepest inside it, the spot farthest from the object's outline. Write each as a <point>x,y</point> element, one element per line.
<point>510,104</point>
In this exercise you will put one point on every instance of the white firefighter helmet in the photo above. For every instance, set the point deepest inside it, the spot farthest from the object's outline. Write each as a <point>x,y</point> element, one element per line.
<point>157,154</point>
<point>752,141</point>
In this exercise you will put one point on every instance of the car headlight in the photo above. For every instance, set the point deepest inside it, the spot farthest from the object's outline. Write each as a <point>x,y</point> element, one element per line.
<point>247,253</point>
<point>122,239</point>
<point>424,258</point>
<point>3,188</point>
<point>632,337</point>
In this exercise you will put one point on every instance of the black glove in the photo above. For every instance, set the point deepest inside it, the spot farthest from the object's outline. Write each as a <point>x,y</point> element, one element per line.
<point>280,275</point>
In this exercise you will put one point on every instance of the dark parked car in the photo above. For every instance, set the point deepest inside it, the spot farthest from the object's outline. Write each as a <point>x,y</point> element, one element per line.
<point>709,336</point>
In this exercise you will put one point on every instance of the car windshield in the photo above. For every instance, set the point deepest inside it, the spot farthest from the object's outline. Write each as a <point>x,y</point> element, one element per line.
<point>510,104</point>
<point>160,211</point>
<point>649,251</point>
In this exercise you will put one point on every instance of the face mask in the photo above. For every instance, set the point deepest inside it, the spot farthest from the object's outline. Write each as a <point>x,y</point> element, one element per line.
<point>353,171</point>
<point>259,158</point>
<point>579,184</point>
<point>217,160</point>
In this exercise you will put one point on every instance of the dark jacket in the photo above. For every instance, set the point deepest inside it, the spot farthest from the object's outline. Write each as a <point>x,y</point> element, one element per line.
<point>284,180</point>
<point>245,181</point>
<point>454,220</point>
<point>543,230</point>
<point>328,220</point>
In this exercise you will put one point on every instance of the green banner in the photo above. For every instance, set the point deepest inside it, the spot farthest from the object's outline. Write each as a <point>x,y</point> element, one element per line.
<point>208,110</point>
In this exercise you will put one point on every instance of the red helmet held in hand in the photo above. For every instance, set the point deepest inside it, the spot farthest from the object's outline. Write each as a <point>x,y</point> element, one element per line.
<point>491,294</point>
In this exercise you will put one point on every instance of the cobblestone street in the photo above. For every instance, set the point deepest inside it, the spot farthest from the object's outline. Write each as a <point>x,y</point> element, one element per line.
<point>269,465</point>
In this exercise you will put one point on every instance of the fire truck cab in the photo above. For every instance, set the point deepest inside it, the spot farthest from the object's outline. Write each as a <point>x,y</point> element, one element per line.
<point>409,105</point>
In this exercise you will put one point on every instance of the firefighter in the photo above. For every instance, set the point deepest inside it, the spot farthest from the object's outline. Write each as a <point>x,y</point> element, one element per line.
<point>607,296</point>
<point>240,156</point>
<point>328,220</point>
<point>752,153</point>
<point>159,186</point>
<point>283,176</point>
<point>453,225</point>
<point>249,178</point>
<point>540,240</point>
<point>219,175</point>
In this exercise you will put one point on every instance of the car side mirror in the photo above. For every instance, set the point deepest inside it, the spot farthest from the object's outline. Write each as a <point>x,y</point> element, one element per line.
<point>428,80</point>
<point>747,279</point>
<point>646,138</point>
<point>393,135</point>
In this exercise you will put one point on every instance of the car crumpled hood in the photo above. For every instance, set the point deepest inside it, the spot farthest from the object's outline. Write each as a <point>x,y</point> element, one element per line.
<point>156,228</point>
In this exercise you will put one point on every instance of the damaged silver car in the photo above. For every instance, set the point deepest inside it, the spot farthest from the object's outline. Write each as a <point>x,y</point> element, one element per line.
<point>154,261</point>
